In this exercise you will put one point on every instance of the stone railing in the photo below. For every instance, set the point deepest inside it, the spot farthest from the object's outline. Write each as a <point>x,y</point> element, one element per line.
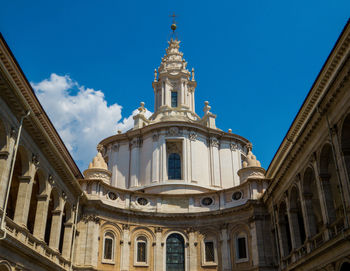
<point>25,238</point>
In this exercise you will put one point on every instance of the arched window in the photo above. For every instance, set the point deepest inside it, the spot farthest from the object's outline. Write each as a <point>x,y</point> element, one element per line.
<point>241,247</point>
<point>175,252</point>
<point>141,250</point>
<point>174,167</point>
<point>108,247</point>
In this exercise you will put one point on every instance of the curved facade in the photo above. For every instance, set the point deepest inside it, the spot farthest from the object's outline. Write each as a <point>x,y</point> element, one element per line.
<point>175,192</point>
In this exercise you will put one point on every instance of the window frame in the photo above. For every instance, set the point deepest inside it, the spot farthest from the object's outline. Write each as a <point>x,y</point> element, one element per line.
<point>203,252</point>
<point>238,236</point>
<point>137,241</point>
<point>113,238</point>
<point>180,161</point>
<point>171,99</point>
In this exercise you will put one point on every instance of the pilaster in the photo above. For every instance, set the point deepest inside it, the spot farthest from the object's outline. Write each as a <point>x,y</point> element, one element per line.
<point>41,216</point>
<point>158,255</point>
<point>23,200</point>
<point>125,249</point>
<point>55,229</point>
<point>225,250</point>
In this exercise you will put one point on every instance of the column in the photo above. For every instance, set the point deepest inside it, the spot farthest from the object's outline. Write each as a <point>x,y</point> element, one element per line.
<point>55,229</point>
<point>309,220</point>
<point>23,200</point>
<point>193,243</point>
<point>294,227</point>
<point>225,250</point>
<point>67,240</point>
<point>282,236</point>
<point>215,162</point>
<point>41,216</point>
<point>158,255</point>
<point>5,166</point>
<point>125,249</point>
<point>327,198</point>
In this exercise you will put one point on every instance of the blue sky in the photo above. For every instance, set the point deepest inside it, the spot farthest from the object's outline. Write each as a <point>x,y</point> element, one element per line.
<point>255,61</point>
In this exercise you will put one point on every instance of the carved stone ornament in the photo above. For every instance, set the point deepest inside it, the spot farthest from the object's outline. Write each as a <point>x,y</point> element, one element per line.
<point>155,137</point>
<point>98,174</point>
<point>249,146</point>
<point>126,227</point>
<point>214,142</point>
<point>192,136</point>
<point>51,180</point>
<point>174,131</point>
<point>116,147</point>
<point>64,196</point>
<point>100,148</point>
<point>35,159</point>
<point>233,146</point>
<point>93,218</point>
<point>136,142</point>
<point>13,133</point>
<point>158,229</point>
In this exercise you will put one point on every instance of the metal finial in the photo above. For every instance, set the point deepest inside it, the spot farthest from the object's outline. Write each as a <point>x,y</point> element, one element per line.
<point>173,26</point>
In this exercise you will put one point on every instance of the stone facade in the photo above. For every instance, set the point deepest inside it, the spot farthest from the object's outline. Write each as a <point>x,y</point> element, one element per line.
<point>175,191</point>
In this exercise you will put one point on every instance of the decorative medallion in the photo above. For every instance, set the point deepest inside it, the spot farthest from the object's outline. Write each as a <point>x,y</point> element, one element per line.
<point>173,131</point>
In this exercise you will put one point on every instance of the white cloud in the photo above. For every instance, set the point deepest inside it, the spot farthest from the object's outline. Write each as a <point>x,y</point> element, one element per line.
<point>81,115</point>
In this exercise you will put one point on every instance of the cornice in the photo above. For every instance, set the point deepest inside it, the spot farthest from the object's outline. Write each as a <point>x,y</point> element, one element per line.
<point>333,77</point>
<point>97,206</point>
<point>165,124</point>
<point>319,89</point>
<point>38,123</point>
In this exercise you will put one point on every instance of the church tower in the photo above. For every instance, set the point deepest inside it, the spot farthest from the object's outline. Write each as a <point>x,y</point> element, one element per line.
<point>174,87</point>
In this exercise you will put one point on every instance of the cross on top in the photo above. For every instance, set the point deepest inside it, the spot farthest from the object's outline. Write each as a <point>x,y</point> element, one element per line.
<point>173,16</point>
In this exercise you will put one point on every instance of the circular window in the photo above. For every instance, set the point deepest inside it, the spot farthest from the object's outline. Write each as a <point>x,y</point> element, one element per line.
<point>112,195</point>
<point>237,195</point>
<point>142,201</point>
<point>207,201</point>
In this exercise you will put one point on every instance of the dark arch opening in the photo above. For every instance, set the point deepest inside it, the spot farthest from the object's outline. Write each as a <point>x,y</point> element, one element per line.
<point>12,200</point>
<point>345,143</point>
<point>285,229</point>
<point>296,210</point>
<point>175,253</point>
<point>33,204</point>
<point>345,267</point>
<point>311,198</point>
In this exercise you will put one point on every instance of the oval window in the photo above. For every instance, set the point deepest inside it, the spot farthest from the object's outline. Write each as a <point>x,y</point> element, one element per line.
<point>142,201</point>
<point>237,195</point>
<point>112,195</point>
<point>207,201</point>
